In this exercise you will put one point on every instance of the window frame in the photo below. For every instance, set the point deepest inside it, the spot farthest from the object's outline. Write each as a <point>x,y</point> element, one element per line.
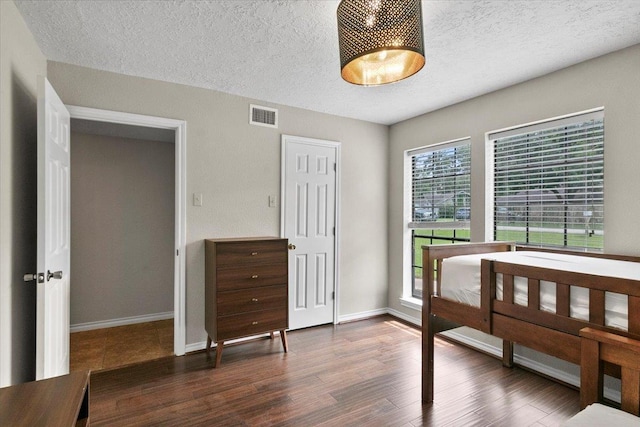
<point>411,296</point>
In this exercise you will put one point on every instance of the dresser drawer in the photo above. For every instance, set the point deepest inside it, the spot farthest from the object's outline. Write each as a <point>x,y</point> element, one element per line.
<point>253,252</point>
<point>253,299</point>
<point>251,276</point>
<point>252,323</point>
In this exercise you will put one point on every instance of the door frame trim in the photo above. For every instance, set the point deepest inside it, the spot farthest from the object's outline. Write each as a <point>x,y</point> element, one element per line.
<point>336,249</point>
<point>180,128</point>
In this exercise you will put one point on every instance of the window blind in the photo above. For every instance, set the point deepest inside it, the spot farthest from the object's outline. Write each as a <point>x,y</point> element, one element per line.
<point>441,185</point>
<point>549,183</point>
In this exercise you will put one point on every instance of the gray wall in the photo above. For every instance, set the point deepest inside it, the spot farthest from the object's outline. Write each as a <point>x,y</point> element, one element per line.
<point>122,227</point>
<point>20,63</point>
<point>612,81</point>
<point>237,166</point>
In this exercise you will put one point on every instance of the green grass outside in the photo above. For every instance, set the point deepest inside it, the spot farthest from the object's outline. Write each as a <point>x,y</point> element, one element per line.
<point>555,239</point>
<point>419,242</point>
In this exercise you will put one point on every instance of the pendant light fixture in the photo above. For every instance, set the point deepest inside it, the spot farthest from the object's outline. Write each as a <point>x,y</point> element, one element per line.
<point>380,41</point>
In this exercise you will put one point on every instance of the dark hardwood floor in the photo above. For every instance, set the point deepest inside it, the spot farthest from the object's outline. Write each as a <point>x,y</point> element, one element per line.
<point>359,373</point>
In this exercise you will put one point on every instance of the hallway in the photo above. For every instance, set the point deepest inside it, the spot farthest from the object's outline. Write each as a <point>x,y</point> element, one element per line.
<point>108,348</point>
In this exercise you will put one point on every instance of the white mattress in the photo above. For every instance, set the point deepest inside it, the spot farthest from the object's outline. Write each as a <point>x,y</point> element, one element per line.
<point>461,281</point>
<point>598,415</point>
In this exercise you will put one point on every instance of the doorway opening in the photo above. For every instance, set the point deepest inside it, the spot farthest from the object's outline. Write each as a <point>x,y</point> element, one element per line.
<point>144,162</point>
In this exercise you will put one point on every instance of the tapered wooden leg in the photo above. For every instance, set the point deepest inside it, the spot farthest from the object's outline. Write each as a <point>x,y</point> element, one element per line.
<point>283,337</point>
<point>507,354</point>
<point>219,347</point>
<point>427,359</point>
<point>271,334</point>
<point>208,344</point>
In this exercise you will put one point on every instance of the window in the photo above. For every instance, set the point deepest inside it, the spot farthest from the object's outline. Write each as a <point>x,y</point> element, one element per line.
<point>548,183</point>
<point>440,195</point>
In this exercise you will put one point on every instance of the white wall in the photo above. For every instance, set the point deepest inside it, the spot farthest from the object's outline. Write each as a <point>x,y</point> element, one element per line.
<point>612,81</point>
<point>122,227</point>
<point>20,63</point>
<point>237,166</point>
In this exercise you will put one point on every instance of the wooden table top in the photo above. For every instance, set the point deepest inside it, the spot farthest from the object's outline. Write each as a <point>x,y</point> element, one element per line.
<point>54,401</point>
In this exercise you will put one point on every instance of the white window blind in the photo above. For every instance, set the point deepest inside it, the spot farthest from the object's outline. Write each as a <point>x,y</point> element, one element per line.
<point>441,185</point>
<point>549,183</point>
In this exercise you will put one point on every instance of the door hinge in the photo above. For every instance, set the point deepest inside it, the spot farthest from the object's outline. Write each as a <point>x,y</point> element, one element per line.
<point>333,295</point>
<point>177,252</point>
<point>334,231</point>
<point>335,167</point>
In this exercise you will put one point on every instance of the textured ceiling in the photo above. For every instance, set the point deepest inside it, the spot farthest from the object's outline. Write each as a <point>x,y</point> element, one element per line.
<point>286,52</point>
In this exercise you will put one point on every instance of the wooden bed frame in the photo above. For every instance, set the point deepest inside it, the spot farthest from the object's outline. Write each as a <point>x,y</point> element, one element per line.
<point>598,347</point>
<point>555,334</point>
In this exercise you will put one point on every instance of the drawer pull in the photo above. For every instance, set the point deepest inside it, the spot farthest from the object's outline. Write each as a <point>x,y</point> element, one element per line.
<point>254,323</point>
<point>254,253</point>
<point>255,276</point>
<point>254,299</point>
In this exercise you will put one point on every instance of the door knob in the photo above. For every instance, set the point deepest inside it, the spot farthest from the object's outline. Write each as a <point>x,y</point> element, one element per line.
<point>29,277</point>
<point>291,246</point>
<point>54,275</point>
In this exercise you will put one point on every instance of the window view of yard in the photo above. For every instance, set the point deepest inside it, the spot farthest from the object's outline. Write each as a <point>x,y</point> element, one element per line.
<point>440,193</point>
<point>548,188</point>
<point>432,236</point>
<point>549,183</point>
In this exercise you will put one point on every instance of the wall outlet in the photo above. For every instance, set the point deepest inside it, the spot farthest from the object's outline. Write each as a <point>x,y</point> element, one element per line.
<point>272,201</point>
<point>197,199</point>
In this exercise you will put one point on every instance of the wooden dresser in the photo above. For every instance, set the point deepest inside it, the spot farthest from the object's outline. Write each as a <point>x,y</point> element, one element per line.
<point>246,289</point>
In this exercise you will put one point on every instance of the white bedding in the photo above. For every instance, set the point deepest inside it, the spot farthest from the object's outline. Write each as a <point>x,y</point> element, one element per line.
<point>597,415</point>
<point>461,281</point>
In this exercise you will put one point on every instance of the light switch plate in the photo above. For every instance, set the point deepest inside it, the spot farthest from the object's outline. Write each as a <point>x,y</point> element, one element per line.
<point>272,201</point>
<point>197,199</point>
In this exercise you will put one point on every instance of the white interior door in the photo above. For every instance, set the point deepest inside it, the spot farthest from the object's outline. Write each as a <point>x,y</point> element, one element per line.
<point>309,221</point>
<point>52,317</point>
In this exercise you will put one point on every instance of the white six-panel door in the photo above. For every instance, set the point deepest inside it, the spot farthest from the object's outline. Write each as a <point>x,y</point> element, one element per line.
<point>309,208</point>
<point>53,258</point>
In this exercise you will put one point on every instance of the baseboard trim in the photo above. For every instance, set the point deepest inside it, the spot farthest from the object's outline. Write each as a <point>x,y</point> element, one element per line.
<point>362,315</point>
<point>196,346</point>
<point>400,315</point>
<point>121,322</point>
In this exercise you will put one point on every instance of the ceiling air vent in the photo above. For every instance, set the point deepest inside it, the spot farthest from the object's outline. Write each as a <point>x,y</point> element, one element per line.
<point>263,116</point>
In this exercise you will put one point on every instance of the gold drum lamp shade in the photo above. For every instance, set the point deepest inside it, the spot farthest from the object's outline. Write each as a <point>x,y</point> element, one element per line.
<point>381,41</point>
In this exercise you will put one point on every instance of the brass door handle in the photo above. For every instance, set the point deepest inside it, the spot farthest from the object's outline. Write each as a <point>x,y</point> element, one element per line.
<point>291,247</point>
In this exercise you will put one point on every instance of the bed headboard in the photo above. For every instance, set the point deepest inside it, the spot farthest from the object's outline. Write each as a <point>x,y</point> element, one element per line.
<point>432,256</point>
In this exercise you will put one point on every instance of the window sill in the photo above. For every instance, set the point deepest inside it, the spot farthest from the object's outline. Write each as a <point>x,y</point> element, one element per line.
<point>411,302</point>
